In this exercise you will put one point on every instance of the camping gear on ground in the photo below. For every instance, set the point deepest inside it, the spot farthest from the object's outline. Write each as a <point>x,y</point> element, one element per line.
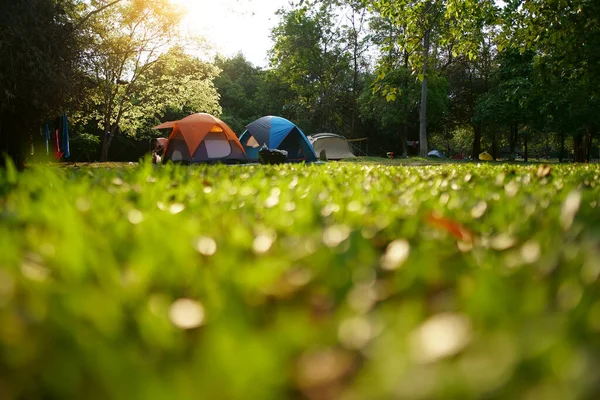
<point>277,133</point>
<point>485,156</point>
<point>58,132</point>
<point>271,156</point>
<point>201,138</point>
<point>336,147</point>
<point>159,149</point>
<point>435,153</point>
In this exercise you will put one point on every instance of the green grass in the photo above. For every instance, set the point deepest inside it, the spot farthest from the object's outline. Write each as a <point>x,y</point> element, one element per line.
<point>415,161</point>
<point>418,161</point>
<point>342,281</point>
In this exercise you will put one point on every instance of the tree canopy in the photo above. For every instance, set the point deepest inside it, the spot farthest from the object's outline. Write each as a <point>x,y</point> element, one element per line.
<point>515,77</point>
<point>39,75</point>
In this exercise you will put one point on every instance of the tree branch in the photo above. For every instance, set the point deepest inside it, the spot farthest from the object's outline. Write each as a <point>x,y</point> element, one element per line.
<point>94,12</point>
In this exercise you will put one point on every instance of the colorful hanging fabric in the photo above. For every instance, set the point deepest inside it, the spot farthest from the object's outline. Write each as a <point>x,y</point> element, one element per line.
<point>58,154</point>
<point>65,136</point>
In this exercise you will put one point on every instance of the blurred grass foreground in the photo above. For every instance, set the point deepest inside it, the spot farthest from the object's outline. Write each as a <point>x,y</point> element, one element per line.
<point>336,281</point>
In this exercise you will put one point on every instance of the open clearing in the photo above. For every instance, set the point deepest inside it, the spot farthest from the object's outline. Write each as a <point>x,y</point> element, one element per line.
<point>343,280</point>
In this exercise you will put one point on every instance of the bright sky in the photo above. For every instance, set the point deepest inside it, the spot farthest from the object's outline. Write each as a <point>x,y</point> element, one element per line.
<point>231,26</point>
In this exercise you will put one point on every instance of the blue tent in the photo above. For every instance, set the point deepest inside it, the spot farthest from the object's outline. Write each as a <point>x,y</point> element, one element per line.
<point>277,133</point>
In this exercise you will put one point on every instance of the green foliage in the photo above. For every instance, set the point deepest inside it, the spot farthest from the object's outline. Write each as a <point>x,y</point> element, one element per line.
<point>240,86</point>
<point>308,55</point>
<point>86,145</point>
<point>456,26</point>
<point>392,113</point>
<point>125,41</point>
<point>39,72</point>
<point>564,37</point>
<point>177,84</point>
<point>394,121</point>
<point>37,49</point>
<point>418,34</point>
<point>513,97</point>
<point>453,142</point>
<point>324,281</point>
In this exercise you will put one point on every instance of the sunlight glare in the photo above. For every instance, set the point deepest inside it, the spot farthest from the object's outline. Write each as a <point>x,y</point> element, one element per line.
<point>232,26</point>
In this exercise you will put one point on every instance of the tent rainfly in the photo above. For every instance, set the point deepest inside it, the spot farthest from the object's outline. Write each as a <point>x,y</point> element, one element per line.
<point>201,138</point>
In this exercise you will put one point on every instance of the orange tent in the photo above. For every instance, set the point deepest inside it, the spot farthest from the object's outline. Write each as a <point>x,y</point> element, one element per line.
<point>200,138</point>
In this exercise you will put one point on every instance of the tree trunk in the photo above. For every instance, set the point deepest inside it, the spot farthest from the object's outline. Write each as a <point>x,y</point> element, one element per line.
<point>109,134</point>
<point>588,144</point>
<point>111,130</point>
<point>494,147</point>
<point>107,137</point>
<point>354,86</point>
<point>105,146</point>
<point>579,148</point>
<point>404,129</point>
<point>403,137</point>
<point>514,134</point>
<point>423,113</point>
<point>561,156</point>
<point>525,150</point>
<point>477,129</point>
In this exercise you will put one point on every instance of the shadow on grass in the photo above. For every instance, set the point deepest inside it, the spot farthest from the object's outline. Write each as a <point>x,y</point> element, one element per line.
<point>423,161</point>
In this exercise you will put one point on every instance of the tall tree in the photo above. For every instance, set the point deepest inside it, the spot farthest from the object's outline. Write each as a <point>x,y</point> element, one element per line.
<point>176,85</point>
<point>565,38</point>
<point>454,25</point>
<point>468,81</point>
<point>128,38</point>
<point>39,74</point>
<point>511,103</point>
<point>309,57</point>
<point>353,19</point>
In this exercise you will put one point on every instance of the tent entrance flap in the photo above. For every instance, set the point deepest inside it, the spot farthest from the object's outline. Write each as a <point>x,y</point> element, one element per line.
<point>177,149</point>
<point>294,145</point>
<point>217,145</point>
<point>252,142</point>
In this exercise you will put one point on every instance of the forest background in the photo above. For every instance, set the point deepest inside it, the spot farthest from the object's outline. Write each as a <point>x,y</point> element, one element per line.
<point>514,78</point>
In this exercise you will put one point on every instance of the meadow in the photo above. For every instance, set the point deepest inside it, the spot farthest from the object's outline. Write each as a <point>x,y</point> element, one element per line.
<point>335,281</point>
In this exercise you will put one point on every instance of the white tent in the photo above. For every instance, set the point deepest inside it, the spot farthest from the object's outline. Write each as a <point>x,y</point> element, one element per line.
<point>336,147</point>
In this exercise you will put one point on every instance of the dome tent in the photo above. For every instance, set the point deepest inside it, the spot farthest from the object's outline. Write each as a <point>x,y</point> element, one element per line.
<point>336,147</point>
<point>277,133</point>
<point>202,138</point>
